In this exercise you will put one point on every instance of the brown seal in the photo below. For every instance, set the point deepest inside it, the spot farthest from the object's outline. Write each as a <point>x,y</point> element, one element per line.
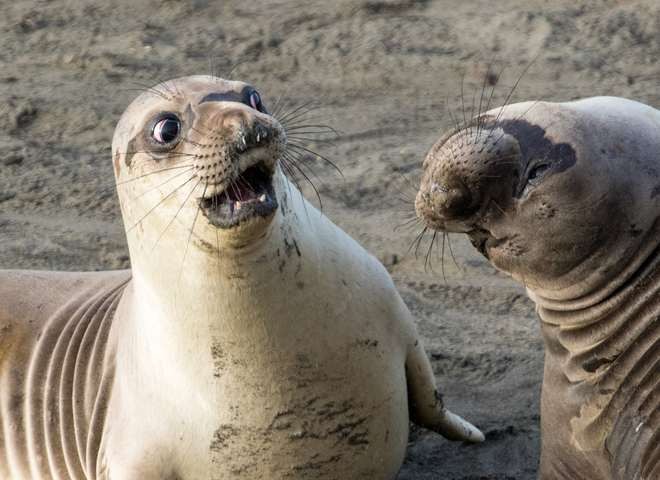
<point>565,197</point>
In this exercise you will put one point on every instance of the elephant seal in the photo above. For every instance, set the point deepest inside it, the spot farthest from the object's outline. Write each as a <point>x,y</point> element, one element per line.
<point>252,337</point>
<point>565,198</point>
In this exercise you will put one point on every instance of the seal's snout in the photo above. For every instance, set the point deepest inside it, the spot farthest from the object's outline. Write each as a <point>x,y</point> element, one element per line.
<point>458,182</point>
<point>453,201</point>
<point>236,152</point>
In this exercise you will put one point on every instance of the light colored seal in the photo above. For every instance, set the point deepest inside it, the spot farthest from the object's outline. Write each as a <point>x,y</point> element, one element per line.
<point>252,339</point>
<point>565,197</point>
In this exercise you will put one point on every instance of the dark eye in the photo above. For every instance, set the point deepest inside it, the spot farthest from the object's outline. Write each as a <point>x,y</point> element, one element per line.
<point>166,130</point>
<point>255,101</point>
<point>538,171</point>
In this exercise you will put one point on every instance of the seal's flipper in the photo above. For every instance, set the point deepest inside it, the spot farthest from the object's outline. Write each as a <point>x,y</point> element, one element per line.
<point>425,402</point>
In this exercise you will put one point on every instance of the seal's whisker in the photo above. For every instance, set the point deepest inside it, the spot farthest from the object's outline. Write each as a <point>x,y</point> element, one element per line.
<point>163,183</point>
<point>442,257</point>
<point>451,114</point>
<point>428,261</point>
<point>299,147</point>
<point>295,112</point>
<point>197,130</point>
<point>152,89</point>
<point>481,97</point>
<point>298,138</point>
<point>190,142</point>
<point>289,173</point>
<point>499,208</point>
<point>138,177</point>
<point>408,182</point>
<point>144,90</point>
<point>492,90</point>
<point>192,229</point>
<point>463,97</point>
<point>451,252</point>
<point>292,177</point>
<point>296,165</point>
<point>278,104</point>
<point>300,116</point>
<point>415,243</point>
<point>173,154</point>
<point>419,241</point>
<point>158,204</point>
<point>307,119</point>
<point>298,111</point>
<point>300,161</point>
<point>413,222</point>
<point>176,214</point>
<point>403,195</point>
<point>472,110</point>
<point>515,86</point>
<point>240,180</point>
<point>319,126</point>
<point>522,115</point>
<point>233,68</point>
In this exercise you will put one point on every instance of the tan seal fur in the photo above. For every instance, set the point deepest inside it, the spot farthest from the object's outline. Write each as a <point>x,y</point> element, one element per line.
<point>565,198</point>
<point>252,337</point>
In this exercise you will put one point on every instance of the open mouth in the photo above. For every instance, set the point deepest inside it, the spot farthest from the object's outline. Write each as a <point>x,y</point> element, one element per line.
<point>483,240</point>
<point>248,196</point>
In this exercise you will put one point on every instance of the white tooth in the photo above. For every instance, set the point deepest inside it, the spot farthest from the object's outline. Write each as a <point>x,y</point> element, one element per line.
<point>262,198</point>
<point>258,138</point>
<point>237,205</point>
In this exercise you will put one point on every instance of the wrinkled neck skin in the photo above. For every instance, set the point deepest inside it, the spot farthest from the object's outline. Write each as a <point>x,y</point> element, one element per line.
<point>620,266</point>
<point>601,368</point>
<point>600,391</point>
<point>190,292</point>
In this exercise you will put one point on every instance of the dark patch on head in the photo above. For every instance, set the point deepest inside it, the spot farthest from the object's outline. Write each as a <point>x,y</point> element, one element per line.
<point>131,149</point>
<point>240,97</point>
<point>534,145</point>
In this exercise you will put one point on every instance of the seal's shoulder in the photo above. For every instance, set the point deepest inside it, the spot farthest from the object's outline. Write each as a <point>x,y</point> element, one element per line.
<point>26,296</point>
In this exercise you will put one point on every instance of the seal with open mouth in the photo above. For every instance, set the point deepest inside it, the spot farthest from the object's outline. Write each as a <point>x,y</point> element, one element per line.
<point>565,198</point>
<point>251,339</point>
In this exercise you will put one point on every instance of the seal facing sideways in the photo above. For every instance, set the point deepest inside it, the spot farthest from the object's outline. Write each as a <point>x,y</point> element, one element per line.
<point>565,198</point>
<point>251,339</point>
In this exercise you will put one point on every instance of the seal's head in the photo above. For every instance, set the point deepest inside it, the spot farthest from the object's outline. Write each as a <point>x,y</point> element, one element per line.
<point>556,195</point>
<point>198,153</point>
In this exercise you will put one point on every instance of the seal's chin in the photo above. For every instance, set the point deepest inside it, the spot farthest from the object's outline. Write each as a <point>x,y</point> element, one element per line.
<point>251,195</point>
<point>484,241</point>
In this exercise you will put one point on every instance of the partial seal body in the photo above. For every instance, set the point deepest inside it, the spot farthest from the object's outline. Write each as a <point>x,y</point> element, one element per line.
<point>565,197</point>
<point>251,339</point>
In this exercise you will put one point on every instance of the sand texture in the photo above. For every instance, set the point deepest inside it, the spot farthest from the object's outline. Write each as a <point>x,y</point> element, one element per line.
<point>388,75</point>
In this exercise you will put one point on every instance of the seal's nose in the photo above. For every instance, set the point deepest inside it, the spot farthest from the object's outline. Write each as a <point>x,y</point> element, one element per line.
<point>451,202</point>
<point>446,205</point>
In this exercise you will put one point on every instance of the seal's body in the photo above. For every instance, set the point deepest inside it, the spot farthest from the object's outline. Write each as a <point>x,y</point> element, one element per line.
<point>252,338</point>
<point>564,197</point>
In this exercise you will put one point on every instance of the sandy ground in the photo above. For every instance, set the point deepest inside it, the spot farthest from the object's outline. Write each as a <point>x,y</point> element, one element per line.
<point>388,74</point>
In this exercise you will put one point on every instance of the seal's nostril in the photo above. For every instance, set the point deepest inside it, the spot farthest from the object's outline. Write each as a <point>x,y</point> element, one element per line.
<point>452,202</point>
